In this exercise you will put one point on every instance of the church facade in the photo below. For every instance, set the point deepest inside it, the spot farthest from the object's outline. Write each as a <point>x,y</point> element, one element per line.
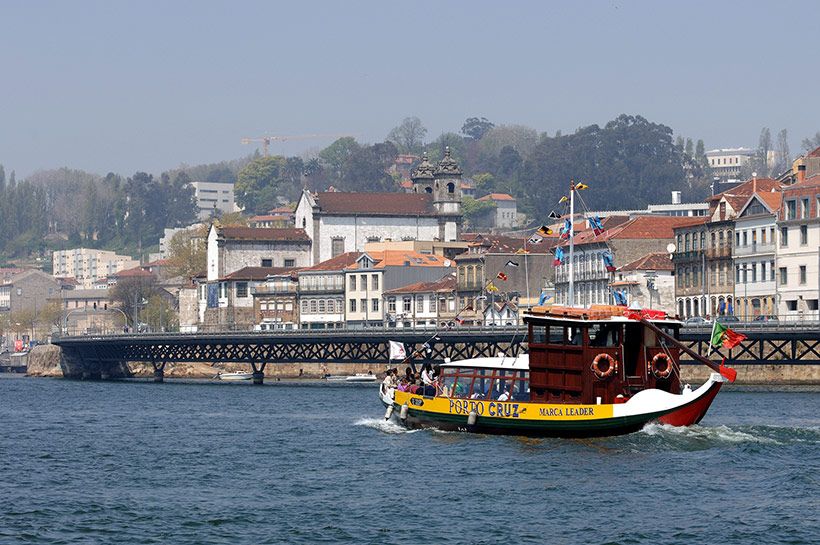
<point>339,222</point>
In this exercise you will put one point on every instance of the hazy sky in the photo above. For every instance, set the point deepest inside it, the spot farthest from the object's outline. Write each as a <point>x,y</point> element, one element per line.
<point>125,86</point>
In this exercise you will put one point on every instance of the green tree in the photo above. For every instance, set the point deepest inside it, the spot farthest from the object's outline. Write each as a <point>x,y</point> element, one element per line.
<point>133,293</point>
<point>159,313</point>
<point>367,169</point>
<point>811,143</point>
<point>478,214</point>
<point>476,127</point>
<point>334,157</point>
<point>408,137</point>
<point>260,182</point>
<point>187,252</point>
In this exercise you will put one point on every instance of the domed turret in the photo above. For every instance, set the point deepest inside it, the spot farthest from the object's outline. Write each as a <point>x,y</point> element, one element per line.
<point>423,176</point>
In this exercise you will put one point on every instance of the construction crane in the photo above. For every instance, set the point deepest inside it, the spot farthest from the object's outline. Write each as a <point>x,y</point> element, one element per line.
<point>266,140</point>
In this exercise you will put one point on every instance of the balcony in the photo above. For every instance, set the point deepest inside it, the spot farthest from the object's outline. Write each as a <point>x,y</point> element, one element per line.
<point>265,290</point>
<point>754,249</point>
<point>720,251</point>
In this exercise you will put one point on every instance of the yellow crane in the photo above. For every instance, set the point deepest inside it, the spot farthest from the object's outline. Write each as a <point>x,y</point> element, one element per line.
<point>266,140</point>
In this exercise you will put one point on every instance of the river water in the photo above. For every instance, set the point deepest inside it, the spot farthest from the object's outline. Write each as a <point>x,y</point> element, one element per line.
<point>213,463</point>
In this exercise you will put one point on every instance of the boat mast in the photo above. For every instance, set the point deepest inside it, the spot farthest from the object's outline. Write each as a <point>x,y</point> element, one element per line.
<point>571,243</point>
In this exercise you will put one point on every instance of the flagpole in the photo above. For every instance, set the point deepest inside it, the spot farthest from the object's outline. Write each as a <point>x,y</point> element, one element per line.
<point>571,243</point>
<point>527,274</point>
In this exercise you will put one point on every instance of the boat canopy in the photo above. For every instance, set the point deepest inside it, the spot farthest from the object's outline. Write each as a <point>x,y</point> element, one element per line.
<point>512,363</point>
<point>598,313</point>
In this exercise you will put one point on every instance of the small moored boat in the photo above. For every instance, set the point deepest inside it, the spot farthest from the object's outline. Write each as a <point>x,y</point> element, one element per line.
<point>358,377</point>
<point>235,375</point>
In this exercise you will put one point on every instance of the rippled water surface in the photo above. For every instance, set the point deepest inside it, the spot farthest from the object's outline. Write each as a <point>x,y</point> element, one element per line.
<point>202,463</point>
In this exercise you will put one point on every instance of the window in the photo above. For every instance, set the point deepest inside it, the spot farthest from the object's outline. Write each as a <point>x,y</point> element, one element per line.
<point>420,303</point>
<point>363,282</point>
<point>763,236</point>
<point>241,290</point>
<point>407,301</point>
<point>352,305</point>
<point>373,239</point>
<point>745,238</point>
<point>290,263</point>
<point>331,306</point>
<point>304,306</point>
<point>222,290</point>
<point>804,208</point>
<point>791,305</point>
<point>313,306</point>
<point>737,238</point>
<point>811,304</point>
<point>802,274</point>
<point>289,307</point>
<point>771,271</point>
<point>784,236</point>
<point>337,246</point>
<point>433,303</point>
<point>783,276</point>
<point>352,282</point>
<point>737,274</point>
<point>702,240</point>
<point>322,306</point>
<point>363,304</point>
<point>374,285</point>
<point>791,210</point>
<point>686,242</point>
<point>267,263</point>
<point>754,272</point>
<point>391,305</point>
<point>804,235</point>
<point>374,304</point>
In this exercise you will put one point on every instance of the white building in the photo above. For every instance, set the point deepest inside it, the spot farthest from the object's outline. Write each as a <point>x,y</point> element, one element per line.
<point>87,265</point>
<point>501,314</point>
<point>422,304</point>
<point>754,255</point>
<point>728,163</point>
<point>648,282</point>
<point>233,248</point>
<point>506,211</point>
<point>339,222</point>
<point>373,274</point>
<point>322,293</point>
<point>214,198</point>
<point>798,251</point>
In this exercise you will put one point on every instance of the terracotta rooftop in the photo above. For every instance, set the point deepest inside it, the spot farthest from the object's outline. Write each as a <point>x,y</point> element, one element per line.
<point>281,210</point>
<point>403,258</point>
<point>264,234</point>
<point>497,197</point>
<point>375,204</point>
<point>814,153</point>
<point>257,273</point>
<point>656,262</point>
<point>641,227</point>
<point>738,195</point>
<point>811,181</point>
<point>771,198</point>
<point>338,263</point>
<point>136,272</point>
<point>445,284</point>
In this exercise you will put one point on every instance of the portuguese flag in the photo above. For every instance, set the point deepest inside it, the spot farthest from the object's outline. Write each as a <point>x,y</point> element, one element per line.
<point>723,336</point>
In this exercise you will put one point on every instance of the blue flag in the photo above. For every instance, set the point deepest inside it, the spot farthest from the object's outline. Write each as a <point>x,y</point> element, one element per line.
<point>559,257</point>
<point>608,262</point>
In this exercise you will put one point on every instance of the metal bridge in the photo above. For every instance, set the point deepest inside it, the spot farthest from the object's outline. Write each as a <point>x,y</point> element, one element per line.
<point>106,355</point>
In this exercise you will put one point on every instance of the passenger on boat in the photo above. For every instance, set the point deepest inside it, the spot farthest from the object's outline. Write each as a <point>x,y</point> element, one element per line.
<point>505,395</point>
<point>410,375</point>
<point>390,381</point>
<point>404,385</point>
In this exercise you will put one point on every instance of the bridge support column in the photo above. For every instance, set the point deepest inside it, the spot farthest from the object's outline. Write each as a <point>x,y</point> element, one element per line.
<point>258,373</point>
<point>159,371</point>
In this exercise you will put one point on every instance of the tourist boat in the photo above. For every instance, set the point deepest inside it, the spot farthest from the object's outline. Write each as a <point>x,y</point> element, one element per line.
<point>235,375</point>
<point>589,372</point>
<point>598,371</point>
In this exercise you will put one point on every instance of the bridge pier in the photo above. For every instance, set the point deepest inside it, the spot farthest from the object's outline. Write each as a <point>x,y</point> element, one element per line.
<point>159,371</point>
<point>258,372</point>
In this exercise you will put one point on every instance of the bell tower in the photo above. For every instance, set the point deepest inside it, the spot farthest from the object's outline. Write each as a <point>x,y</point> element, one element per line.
<point>447,197</point>
<point>423,176</point>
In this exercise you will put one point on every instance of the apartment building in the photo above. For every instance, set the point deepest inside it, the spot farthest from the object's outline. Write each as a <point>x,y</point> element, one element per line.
<point>754,255</point>
<point>87,265</point>
<point>798,251</point>
<point>422,304</point>
<point>214,199</point>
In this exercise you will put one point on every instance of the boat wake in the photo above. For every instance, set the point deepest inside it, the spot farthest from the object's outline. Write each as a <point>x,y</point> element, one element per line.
<point>385,426</point>
<point>707,436</point>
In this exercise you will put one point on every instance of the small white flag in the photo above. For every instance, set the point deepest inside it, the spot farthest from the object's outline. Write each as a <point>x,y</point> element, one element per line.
<point>397,351</point>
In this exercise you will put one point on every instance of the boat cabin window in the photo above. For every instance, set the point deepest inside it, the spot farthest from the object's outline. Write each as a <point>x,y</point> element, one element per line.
<point>498,384</point>
<point>565,335</point>
<point>605,335</point>
<point>539,334</point>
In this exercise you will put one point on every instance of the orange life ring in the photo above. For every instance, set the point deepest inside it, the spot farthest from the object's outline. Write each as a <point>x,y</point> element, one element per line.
<point>655,368</point>
<point>610,369</point>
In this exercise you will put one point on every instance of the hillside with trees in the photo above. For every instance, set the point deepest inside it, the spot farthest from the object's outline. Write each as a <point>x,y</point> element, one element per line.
<point>628,163</point>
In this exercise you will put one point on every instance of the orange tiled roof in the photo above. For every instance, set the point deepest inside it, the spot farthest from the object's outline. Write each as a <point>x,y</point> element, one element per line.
<point>497,197</point>
<point>655,261</point>
<point>257,273</point>
<point>641,227</point>
<point>338,263</point>
<point>446,284</point>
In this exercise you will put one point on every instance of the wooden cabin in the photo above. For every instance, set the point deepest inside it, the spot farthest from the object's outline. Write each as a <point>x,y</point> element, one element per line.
<point>564,343</point>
